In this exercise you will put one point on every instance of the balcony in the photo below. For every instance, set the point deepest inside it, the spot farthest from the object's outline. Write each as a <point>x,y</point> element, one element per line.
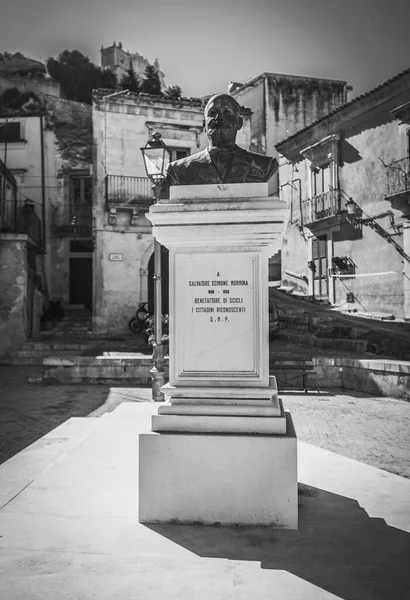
<point>320,207</point>
<point>67,219</point>
<point>398,184</point>
<point>20,217</point>
<point>127,191</point>
<point>123,193</point>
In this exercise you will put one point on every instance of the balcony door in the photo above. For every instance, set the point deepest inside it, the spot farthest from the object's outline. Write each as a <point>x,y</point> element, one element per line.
<point>320,268</point>
<point>80,208</point>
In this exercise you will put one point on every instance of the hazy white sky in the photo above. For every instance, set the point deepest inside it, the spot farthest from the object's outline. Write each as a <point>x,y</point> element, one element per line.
<point>203,44</point>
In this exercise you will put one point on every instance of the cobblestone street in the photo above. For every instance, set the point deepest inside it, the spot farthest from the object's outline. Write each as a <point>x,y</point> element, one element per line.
<point>29,411</point>
<point>367,429</point>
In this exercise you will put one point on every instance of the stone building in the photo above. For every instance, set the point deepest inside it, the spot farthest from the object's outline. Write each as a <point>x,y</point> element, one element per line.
<point>21,265</point>
<point>346,179</point>
<point>123,258</point>
<point>283,104</point>
<point>118,60</point>
<point>46,145</point>
<point>280,106</point>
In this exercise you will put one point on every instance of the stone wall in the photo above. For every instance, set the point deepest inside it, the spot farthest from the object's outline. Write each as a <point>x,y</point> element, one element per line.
<point>13,286</point>
<point>37,85</point>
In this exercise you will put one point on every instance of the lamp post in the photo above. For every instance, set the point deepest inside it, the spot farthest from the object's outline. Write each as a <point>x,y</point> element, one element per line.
<point>156,159</point>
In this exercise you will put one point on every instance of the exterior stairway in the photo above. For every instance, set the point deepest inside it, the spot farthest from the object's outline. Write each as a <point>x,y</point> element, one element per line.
<point>71,353</point>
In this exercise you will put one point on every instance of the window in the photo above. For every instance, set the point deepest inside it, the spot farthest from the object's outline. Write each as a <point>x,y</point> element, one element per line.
<point>10,132</point>
<point>177,153</point>
<point>81,191</point>
<point>81,198</point>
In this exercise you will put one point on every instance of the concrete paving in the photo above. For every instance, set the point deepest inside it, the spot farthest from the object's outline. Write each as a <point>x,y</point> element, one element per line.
<point>69,522</point>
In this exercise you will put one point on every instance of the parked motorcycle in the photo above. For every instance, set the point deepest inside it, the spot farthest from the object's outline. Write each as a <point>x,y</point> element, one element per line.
<point>137,323</point>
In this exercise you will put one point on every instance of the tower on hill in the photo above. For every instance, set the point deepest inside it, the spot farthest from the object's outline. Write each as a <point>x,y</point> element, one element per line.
<point>118,60</point>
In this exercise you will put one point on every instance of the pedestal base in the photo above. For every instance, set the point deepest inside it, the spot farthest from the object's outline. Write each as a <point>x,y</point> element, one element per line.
<point>232,479</point>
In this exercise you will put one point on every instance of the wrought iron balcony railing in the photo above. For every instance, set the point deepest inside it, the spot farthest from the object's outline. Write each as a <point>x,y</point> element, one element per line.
<point>20,217</point>
<point>122,190</point>
<point>398,177</point>
<point>321,206</point>
<point>67,218</point>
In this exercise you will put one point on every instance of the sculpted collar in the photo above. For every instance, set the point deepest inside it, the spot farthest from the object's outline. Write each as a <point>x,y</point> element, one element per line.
<point>214,151</point>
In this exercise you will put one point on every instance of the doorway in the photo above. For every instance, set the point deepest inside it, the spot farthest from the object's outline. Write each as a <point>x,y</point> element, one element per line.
<point>81,276</point>
<point>320,268</point>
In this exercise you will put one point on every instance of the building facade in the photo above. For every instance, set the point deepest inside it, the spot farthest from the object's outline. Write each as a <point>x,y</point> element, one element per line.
<point>346,179</point>
<point>283,104</point>
<point>123,257</point>
<point>21,265</point>
<point>46,145</point>
<point>124,245</point>
<point>118,60</point>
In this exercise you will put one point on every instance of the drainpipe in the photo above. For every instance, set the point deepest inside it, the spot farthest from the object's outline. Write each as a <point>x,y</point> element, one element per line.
<point>43,182</point>
<point>4,207</point>
<point>265,105</point>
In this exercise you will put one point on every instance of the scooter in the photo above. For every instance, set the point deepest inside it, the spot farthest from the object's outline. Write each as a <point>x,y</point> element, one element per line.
<point>137,323</point>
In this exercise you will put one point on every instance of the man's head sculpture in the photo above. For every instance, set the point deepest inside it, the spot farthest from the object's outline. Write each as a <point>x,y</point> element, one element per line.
<point>222,120</point>
<point>223,161</point>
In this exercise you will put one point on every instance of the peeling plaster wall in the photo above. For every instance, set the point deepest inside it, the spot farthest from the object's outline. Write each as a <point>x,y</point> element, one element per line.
<point>295,102</point>
<point>253,97</point>
<point>13,297</point>
<point>283,104</point>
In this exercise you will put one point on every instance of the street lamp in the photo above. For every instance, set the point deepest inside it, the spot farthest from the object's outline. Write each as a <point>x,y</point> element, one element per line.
<point>156,159</point>
<point>351,207</point>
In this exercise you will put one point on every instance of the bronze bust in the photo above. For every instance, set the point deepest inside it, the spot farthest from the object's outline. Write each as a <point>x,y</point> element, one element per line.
<point>222,161</point>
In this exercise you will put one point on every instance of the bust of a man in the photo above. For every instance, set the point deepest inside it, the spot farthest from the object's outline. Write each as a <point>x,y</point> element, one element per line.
<point>222,161</point>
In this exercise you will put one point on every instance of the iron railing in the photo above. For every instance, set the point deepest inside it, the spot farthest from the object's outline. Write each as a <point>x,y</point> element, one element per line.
<point>75,219</point>
<point>398,177</point>
<point>20,217</point>
<point>128,190</point>
<point>320,207</point>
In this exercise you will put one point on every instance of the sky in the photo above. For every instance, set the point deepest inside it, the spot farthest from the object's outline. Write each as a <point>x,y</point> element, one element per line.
<point>201,45</point>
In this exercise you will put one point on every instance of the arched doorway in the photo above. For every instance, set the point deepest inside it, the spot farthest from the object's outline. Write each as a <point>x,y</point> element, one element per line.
<point>164,281</point>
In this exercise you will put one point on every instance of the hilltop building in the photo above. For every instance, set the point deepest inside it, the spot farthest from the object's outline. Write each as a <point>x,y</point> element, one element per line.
<point>119,60</point>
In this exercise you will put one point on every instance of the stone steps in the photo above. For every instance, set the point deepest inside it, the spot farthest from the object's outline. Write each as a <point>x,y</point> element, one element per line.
<point>312,340</point>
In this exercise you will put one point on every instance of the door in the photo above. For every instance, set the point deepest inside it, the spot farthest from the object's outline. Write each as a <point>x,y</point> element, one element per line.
<point>320,268</point>
<point>81,277</point>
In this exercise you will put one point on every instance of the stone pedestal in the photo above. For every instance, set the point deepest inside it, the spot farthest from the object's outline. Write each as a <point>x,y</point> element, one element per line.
<point>222,410</point>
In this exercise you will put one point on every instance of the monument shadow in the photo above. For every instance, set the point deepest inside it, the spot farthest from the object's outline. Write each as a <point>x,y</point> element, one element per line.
<point>337,547</point>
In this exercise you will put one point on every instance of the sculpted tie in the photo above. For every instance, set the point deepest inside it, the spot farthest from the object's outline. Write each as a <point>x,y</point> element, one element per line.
<point>222,161</point>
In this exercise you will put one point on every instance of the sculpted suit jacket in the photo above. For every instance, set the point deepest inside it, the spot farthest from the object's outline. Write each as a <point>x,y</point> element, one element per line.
<point>198,169</point>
